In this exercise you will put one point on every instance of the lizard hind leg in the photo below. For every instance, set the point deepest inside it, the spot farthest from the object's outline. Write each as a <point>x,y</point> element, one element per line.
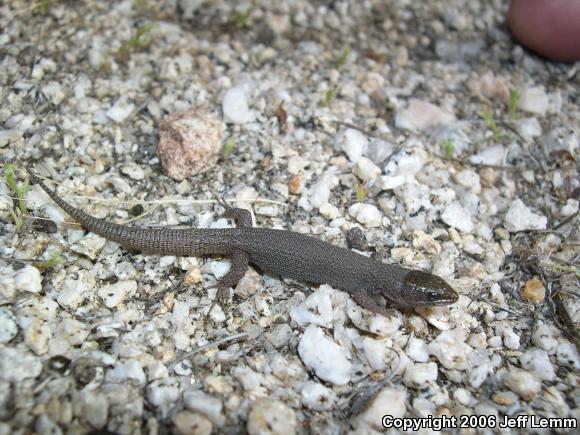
<point>240,264</point>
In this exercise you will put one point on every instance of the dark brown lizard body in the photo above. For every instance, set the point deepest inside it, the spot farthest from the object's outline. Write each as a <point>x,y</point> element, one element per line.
<point>289,254</point>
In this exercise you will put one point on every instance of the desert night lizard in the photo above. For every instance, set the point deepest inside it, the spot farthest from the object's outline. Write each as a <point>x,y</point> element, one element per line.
<point>289,254</point>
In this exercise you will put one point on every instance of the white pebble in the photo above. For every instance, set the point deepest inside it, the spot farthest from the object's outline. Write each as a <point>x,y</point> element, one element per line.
<point>486,408</point>
<point>129,371</point>
<point>390,182</point>
<point>42,65</point>
<point>28,279</point>
<point>384,326</point>
<point>477,340</point>
<point>418,375</point>
<point>557,400</point>
<point>478,375</point>
<point>211,407</point>
<point>538,361</point>
<point>55,91</point>
<point>438,316</point>
<point>471,246</point>
<point>73,331</point>
<point>249,285</point>
<point>484,231</point>
<point>296,165</point>
<point>319,193</point>
<point>115,294</point>
<point>405,164</point>
<point>8,326</point>
<point>529,128</point>
<point>417,350</point>
<point>462,396</point>
<point>451,350</point>
<point>520,218</point>
<point>511,340</point>
<point>328,360</point>
<point>219,267</point>
<point>75,289</point>
<point>269,210</point>
<point>188,423</point>
<point>494,155</point>
<point>280,335</point>
<point>248,378</point>
<point>6,136</point>
<point>494,341</point>
<point>352,142</point>
<point>36,335</point>
<point>317,397</point>
<point>570,208</point>
<point>45,425</point>
<point>288,370</point>
<point>366,214</point>
<point>423,407</point>
<point>534,100</point>
<point>457,217</point>
<point>133,171</point>
<point>389,398</point>
<point>544,339</point>
<point>523,383</point>
<point>378,150</point>
<point>166,261</point>
<point>157,370</point>
<point>366,170</point>
<point>120,110</point>
<point>376,353</point>
<point>93,405</point>
<point>235,105</point>
<point>163,395</point>
<point>316,309</point>
<point>270,417</point>
<point>89,245</point>
<point>469,179</point>
<point>567,356</point>
<point>329,211</point>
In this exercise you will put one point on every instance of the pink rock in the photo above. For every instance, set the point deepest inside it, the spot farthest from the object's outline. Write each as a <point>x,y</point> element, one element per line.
<point>189,143</point>
<point>420,115</point>
<point>489,86</point>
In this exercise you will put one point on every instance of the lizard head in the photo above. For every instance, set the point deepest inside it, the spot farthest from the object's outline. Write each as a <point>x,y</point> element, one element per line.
<point>422,289</point>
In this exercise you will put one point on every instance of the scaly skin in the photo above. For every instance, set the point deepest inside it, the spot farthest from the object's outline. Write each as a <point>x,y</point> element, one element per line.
<point>289,254</point>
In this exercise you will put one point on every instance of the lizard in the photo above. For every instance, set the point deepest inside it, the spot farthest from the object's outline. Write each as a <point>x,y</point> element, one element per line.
<point>288,254</point>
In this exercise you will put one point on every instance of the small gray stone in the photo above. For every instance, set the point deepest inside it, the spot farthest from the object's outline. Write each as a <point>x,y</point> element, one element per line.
<point>8,326</point>
<point>17,364</point>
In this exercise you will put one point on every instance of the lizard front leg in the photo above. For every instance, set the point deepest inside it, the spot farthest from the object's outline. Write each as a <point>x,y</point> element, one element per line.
<point>366,301</point>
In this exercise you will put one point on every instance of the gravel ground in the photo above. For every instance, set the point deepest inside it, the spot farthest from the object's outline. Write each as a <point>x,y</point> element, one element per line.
<point>422,123</point>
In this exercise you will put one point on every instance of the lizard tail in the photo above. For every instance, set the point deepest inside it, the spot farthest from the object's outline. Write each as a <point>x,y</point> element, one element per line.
<point>91,223</point>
